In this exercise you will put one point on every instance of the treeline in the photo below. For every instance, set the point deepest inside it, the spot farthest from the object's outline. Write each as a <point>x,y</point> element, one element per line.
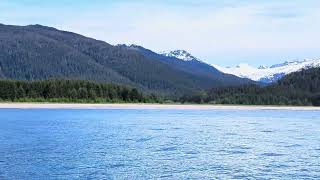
<point>70,91</point>
<point>300,88</point>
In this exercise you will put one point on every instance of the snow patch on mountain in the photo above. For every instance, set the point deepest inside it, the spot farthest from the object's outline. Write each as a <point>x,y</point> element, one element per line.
<point>265,74</point>
<point>269,74</point>
<point>180,54</point>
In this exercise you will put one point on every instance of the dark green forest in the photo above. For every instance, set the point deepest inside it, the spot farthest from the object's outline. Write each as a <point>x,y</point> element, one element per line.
<point>38,52</point>
<point>299,88</point>
<point>70,91</point>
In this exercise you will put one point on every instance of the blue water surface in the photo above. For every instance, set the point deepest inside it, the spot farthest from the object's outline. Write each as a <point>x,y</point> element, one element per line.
<point>159,144</point>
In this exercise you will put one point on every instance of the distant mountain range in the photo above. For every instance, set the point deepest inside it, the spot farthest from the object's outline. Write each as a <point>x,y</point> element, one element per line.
<point>263,74</point>
<point>38,52</point>
<point>269,74</point>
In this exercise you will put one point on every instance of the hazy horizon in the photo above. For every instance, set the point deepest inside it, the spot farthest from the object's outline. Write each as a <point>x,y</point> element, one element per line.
<point>226,33</point>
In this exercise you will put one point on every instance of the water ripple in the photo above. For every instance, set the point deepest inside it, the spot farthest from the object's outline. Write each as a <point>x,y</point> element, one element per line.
<point>157,129</point>
<point>116,165</point>
<point>293,146</point>
<point>165,149</point>
<point>163,144</point>
<point>272,154</point>
<point>233,152</point>
<point>144,139</point>
<point>267,131</point>
<point>192,152</point>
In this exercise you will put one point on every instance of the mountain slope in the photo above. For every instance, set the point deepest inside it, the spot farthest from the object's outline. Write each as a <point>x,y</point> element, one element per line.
<point>27,54</point>
<point>191,65</point>
<point>37,52</point>
<point>269,74</point>
<point>298,88</point>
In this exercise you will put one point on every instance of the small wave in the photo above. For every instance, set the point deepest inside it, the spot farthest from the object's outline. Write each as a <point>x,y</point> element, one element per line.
<point>253,123</point>
<point>237,152</point>
<point>242,147</point>
<point>166,176</point>
<point>157,129</point>
<point>192,152</point>
<point>304,170</point>
<point>144,139</point>
<point>232,152</point>
<point>116,165</point>
<point>240,177</point>
<point>168,149</point>
<point>173,137</point>
<point>272,154</point>
<point>293,145</point>
<point>267,131</point>
<point>208,125</point>
<point>273,166</point>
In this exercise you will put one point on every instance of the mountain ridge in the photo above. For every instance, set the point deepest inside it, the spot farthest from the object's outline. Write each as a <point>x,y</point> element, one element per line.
<point>263,74</point>
<point>269,74</point>
<point>37,52</point>
<point>180,54</point>
<point>194,66</point>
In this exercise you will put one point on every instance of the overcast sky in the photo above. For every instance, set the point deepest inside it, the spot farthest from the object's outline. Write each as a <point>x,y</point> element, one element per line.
<point>223,32</point>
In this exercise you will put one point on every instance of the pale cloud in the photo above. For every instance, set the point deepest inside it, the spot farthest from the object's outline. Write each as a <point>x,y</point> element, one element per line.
<point>226,33</point>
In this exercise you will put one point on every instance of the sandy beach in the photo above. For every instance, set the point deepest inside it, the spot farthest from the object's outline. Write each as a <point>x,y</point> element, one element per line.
<point>149,106</point>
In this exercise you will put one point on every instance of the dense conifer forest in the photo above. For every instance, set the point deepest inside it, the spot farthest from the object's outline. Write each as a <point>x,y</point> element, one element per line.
<point>38,52</point>
<point>70,91</point>
<point>299,88</point>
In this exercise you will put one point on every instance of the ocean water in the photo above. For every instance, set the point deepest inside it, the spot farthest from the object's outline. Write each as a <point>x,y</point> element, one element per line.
<point>159,144</point>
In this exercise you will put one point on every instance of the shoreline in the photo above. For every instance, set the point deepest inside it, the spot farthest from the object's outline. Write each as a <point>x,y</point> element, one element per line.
<point>151,106</point>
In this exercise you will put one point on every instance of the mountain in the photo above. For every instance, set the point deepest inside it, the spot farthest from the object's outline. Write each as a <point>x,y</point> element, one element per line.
<point>180,54</point>
<point>298,88</point>
<point>192,65</point>
<point>269,74</point>
<point>38,52</point>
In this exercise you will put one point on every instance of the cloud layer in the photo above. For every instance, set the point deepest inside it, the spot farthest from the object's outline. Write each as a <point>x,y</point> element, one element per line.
<point>224,32</point>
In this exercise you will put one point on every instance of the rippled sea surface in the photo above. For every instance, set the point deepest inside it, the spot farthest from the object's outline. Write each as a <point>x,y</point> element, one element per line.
<point>159,144</point>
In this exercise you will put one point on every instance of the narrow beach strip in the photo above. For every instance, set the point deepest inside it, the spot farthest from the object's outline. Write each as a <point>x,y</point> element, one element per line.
<point>150,106</point>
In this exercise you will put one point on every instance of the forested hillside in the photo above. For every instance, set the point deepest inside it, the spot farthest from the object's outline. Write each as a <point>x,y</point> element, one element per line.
<point>299,88</point>
<point>194,67</point>
<point>37,53</point>
<point>70,91</point>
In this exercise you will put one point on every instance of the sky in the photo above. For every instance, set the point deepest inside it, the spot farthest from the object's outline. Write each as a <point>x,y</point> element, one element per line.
<point>222,32</point>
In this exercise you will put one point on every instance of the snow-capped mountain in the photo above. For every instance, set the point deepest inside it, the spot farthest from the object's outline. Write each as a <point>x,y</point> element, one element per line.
<point>264,74</point>
<point>269,74</point>
<point>180,54</point>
